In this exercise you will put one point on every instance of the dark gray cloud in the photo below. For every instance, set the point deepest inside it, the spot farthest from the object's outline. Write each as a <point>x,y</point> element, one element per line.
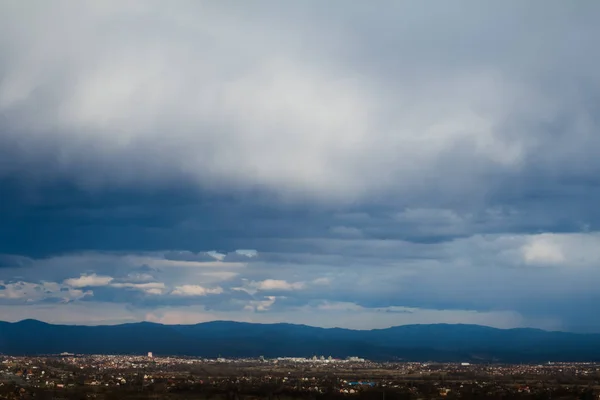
<point>12,261</point>
<point>188,256</point>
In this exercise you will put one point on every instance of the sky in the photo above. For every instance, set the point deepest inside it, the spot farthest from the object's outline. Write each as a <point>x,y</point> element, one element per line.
<point>351,164</point>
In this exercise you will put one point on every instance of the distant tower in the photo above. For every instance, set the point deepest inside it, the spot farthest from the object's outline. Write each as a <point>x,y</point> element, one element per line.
<point>149,354</point>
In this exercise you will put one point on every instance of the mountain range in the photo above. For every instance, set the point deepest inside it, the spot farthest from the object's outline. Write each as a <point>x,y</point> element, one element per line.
<point>436,342</point>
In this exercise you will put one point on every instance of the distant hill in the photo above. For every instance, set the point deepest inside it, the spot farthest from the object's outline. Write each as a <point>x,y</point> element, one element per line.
<point>438,342</point>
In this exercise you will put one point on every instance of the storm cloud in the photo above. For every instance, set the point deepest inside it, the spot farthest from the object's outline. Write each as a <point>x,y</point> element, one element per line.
<point>350,164</point>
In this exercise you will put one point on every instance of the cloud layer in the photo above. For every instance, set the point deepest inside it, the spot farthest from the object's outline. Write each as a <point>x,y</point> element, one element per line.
<point>114,95</point>
<point>396,163</point>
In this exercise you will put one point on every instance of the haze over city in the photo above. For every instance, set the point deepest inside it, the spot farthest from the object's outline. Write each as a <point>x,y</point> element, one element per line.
<point>336,164</point>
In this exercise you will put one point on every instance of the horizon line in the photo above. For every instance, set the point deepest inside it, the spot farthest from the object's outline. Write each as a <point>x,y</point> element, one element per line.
<point>291,323</point>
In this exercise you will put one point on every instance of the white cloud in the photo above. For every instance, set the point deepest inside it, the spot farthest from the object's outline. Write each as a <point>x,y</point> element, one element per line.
<point>249,104</point>
<point>542,250</point>
<point>147,285</point>
<point>260,305</point>
<point>139,277</point>
<point>89,280</point>
<point>160,263</point>
<point>248,253</point>
<point>322,281</point>
<point>276,284</point>
<point>153,288</point>
<point>568,249</point>
<point>34,292</point>
<point>195,290</point>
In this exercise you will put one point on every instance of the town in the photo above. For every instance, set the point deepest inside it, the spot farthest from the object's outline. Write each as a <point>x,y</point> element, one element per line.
<point>70,376</point>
